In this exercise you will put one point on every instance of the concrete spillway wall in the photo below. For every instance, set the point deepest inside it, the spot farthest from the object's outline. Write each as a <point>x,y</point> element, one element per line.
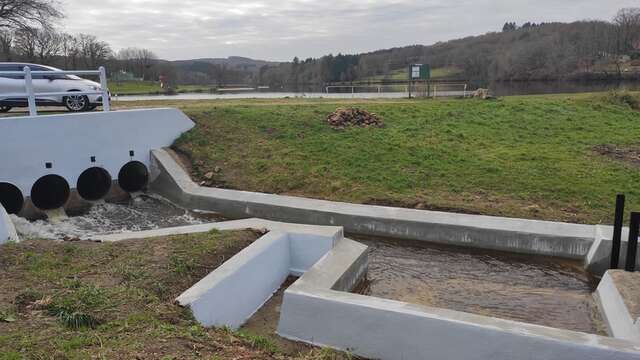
<point>45,158</point>
<point>7,231</point>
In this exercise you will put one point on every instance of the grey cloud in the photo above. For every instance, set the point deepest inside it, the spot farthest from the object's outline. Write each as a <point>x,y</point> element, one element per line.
<point>280,30</point>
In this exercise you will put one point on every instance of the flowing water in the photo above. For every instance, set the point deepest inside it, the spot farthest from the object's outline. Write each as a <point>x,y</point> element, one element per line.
<point>141,212</point>
<point>533,289</point>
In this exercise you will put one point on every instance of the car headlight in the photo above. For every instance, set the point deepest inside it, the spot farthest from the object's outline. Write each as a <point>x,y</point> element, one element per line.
<point>96,88</point>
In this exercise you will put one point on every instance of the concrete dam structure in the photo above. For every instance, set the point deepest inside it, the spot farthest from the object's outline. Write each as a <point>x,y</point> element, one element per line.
<point>49,162</point>
<point>82,153</point>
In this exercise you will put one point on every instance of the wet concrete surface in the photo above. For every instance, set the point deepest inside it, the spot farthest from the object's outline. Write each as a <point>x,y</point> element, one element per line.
<point>534,289</point>
<point>140,212</point>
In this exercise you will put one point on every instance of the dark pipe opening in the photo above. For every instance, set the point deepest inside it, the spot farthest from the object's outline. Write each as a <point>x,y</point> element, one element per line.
<point>50,192</point>
<point>93,184</point>
<point>11,198</point>
<point>133,176</point>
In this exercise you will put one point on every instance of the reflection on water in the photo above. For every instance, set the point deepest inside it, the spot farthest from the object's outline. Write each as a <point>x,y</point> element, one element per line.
<point>142,212</point>
<point>506,88</point>
<point>538,290</point>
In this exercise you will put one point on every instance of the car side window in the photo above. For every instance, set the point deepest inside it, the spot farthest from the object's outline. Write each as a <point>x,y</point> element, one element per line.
<point>11,68</point>
<point>38,68</point>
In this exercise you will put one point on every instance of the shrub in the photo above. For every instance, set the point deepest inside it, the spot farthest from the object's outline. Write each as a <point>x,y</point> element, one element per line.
<point>624,98</point>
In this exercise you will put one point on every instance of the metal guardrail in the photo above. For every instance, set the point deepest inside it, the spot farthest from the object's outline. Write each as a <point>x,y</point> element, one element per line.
<point>31,95</point>
<point>434,87</point>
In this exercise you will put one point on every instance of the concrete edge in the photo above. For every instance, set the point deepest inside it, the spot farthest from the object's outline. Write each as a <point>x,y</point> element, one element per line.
<point>285,249</point>
<point>7,229</point>
<point>598,258</point>
<point>224,271</point>
<point>616,316</point>
<point>316,312</point>
<point>253,223</point>
<point>507,234</point>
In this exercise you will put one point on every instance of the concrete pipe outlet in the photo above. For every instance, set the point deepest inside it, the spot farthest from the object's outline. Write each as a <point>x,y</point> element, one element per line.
<point>11,198</point>
<point>50,192</point>
<point>133,176</point>
<point>93,184</point>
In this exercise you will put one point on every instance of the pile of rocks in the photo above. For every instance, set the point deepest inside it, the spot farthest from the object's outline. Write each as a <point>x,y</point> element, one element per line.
<point>342,118</point>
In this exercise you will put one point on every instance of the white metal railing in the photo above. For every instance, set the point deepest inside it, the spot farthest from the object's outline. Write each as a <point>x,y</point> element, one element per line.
<point>379,88</point>
<point>31,95</point>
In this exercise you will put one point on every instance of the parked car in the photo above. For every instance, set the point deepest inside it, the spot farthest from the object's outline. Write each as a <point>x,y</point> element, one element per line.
<point>14,84</point>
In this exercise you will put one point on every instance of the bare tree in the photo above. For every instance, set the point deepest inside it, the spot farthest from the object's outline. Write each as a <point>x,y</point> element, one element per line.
<point>70,50</point>
<point>47,42</point>
<point>136,60</point>
<point>16,14</point>
<point>93,51</point>
<point>25,43</point>
<point>628,22</point>
<point>6,44</point>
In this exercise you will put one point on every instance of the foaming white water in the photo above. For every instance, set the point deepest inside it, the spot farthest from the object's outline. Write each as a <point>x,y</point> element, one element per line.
<point>142,212</point>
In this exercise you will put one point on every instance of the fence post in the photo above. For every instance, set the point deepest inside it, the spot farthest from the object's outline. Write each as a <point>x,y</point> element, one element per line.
<point>617,231</point>
<point>31,98</point>
<point>464,92</point>
<point>106,106</point>
<point>632,245</point>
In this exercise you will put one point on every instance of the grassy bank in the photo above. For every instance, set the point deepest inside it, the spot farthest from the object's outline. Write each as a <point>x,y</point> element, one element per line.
<point>560,157</point>
<point>80,300</point>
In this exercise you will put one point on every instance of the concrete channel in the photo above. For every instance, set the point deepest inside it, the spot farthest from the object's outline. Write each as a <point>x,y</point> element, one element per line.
<point>588,243</point>
<point>305,238</point>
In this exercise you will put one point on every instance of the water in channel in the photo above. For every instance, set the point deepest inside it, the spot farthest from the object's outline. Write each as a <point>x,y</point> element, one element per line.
<point>534,289</point>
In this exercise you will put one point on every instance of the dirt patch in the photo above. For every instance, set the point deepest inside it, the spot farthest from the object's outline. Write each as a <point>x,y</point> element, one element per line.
<point>346,117</point>
<point>420,205</point>
<point>265,323</point>
<point>628,284</point>
<point>628,154</point>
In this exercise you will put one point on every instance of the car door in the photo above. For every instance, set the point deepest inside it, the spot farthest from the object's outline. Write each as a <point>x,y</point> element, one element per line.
<point>11,84</point>
<point>44,84</point>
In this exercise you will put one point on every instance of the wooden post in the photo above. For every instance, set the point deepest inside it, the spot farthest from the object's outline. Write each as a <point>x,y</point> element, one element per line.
<point>632,245</point>
<point>617,231</point>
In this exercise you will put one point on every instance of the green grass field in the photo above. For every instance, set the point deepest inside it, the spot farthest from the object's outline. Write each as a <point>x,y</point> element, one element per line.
<point>88,300</point>
<point>531,157</point>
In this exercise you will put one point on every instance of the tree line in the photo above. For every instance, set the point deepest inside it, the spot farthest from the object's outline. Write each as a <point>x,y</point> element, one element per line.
<point>543,51</point>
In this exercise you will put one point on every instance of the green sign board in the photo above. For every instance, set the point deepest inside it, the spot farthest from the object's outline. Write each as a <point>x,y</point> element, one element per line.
<point>419,72</point>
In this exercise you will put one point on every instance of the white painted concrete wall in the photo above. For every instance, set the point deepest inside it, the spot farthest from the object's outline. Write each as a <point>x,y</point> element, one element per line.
<point>233,292</point>
<point>615,313</point>
<point>488,232</point>
<point>385,329</point>
<point>7,230</point>
<point>69,140</point>
<point>229,295</point>
<point>598,259</point>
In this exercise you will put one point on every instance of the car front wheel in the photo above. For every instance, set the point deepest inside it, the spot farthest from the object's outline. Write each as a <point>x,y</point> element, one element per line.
<point>76,103</point>
<point>4,109</point>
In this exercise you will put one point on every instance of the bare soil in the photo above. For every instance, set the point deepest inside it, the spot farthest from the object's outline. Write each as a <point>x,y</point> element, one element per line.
<point>627,154</point>
<point>628,284</point>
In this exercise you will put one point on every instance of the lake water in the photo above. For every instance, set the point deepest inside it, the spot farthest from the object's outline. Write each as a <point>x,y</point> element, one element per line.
<point>362,92</point>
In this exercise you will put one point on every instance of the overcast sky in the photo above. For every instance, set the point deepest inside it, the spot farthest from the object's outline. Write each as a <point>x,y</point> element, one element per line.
<point>282,29</point>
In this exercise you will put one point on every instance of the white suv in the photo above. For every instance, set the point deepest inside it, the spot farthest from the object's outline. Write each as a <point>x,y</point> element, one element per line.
<point>14,84</point>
